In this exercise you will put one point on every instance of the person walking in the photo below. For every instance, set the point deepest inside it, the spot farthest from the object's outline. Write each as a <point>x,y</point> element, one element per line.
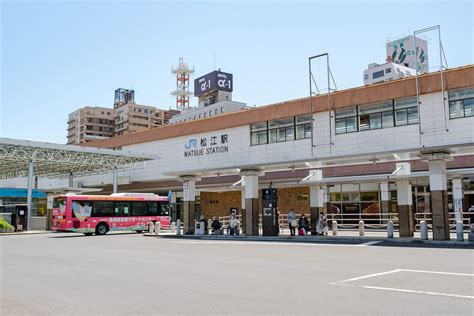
<point>292,222</point>
<point>303,224</point>
<point>322,225</point>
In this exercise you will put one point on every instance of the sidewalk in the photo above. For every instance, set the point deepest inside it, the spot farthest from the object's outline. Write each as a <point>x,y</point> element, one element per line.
<point>343,236</point>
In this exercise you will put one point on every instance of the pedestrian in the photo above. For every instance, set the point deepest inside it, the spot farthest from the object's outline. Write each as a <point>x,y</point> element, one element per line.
<point>292,221</point>
<point>216,226</point>
<point>322,225</point>
<point>303,225</point>
<point>202,219</point>
<point>233,224</point>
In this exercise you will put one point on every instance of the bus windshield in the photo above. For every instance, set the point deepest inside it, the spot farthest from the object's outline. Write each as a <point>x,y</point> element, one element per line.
<point>60,203</point>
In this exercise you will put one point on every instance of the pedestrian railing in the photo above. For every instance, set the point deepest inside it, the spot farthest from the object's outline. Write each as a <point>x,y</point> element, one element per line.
<point>428,218</point>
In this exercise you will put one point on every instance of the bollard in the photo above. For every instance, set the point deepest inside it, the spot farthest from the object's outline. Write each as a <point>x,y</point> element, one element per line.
<point>334,228</point>
<point>390,229</point>
<point>201,228</point>
<point>361,228</point>
<point>173,228</point>
<point>423,230</point>
<point>459,231</point>
<point>151,227</point>
<point>178,227</point>
<point>157,228</point>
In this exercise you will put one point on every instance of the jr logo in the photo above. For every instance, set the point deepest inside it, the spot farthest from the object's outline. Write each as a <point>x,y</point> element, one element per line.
<point>192,143</point>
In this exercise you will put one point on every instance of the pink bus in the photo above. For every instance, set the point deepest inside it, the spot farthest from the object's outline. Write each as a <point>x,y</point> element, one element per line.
<point>100,214</point>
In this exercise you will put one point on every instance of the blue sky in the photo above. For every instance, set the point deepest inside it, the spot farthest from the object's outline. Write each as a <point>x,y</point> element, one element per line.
<point>59,56</point>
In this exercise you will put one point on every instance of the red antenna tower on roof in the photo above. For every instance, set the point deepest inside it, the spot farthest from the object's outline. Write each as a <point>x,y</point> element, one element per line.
<point>182,92</point>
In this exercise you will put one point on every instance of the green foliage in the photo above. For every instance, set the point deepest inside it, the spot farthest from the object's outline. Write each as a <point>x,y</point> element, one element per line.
<point>4,225</point>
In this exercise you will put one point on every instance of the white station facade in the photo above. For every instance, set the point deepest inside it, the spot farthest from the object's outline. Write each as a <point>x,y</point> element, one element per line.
<point>366,151</point>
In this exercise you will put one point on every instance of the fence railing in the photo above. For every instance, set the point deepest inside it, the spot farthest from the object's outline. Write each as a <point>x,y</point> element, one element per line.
<point>428,218</point>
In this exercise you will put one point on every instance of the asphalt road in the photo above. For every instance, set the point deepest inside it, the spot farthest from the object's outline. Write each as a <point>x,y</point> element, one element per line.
<point>128,274</point>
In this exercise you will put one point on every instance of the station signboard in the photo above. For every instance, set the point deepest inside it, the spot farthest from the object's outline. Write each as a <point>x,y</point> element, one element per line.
<point>216,80</point>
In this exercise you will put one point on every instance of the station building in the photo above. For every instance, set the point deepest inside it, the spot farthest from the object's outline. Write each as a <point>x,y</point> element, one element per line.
<point>372,150</point>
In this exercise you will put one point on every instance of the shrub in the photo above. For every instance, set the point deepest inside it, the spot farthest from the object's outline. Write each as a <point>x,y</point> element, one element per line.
<point>4,226</point>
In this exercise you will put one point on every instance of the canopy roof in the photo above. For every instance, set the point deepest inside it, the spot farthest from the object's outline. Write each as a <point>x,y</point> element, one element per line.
<point>56,160</point>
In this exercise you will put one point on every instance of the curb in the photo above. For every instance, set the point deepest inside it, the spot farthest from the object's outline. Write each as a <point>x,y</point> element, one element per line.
<point>26,233</point>
<point>318,239</point>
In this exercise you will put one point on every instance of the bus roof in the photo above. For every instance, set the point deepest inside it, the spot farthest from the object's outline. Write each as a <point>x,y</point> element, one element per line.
<point>117,197</point>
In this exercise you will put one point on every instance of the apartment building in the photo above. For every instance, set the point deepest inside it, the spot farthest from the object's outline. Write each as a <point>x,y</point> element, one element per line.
<point>90,123</point>
<point>93,123</point>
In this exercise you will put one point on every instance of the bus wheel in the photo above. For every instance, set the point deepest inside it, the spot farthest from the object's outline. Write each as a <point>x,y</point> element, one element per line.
<point>101,229</point>
<point>139,231</point>
<point>88,234</point>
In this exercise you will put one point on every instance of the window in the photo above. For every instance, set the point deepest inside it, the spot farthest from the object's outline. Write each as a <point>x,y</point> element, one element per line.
<point>346,121</point>
<point>258,133</point>
<point>139,208</point>
<point>461,103</point>
<point>388,70</point>
<point>103,208</point>
<point>152,209</point>
<point>164,209</point>
<point>303,126</point>
<point>377,74</point>
<point>406,112</point>
<point>366,76</point>
<point>376,116</point>
<point>284,129</point>
<point>122,208</point>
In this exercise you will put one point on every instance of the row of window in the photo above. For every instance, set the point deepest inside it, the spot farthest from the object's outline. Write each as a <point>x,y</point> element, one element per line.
<point>281,130</point>
<point>375,116</point>
<point>202,115</point>
<point>110,208</point>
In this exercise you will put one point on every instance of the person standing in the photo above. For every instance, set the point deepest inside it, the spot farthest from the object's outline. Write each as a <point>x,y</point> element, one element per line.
<point>233,224</point>
<point>322,226</point>
<point>292,221</point>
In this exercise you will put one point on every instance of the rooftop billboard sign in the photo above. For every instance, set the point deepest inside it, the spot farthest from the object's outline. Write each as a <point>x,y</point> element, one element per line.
<point>216,80</point>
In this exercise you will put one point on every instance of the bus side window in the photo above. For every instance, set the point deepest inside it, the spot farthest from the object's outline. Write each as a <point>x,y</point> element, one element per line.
<point>152,209</point>
<point>138,208</point>
<point>122,208</point>
<point>103,208</point>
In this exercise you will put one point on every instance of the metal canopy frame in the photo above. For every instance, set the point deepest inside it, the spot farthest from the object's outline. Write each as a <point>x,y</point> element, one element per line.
<point>59,161</point>
<point>26,158</point>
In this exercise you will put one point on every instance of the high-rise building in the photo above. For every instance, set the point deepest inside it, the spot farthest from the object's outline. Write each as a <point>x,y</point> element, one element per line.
<point>92,123</point>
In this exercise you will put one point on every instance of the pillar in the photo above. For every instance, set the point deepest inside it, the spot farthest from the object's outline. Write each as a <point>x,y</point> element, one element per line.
<point>29,199</point>
<point>114,180</point>
<point>316,198</point>
<point>458,198</point>
<point>49,210</point>
<point>316,201</point>
<point>251,202</point>
<point>189,198</point>
<point>404,201</point>
<point>71,180</point>
<point>439,199</point>
<point>385,201</point>
<point>242,204</point>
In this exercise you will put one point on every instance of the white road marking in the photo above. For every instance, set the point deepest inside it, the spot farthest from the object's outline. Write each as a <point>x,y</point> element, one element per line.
<point>369,243</point>
<point>266,243</point>
<point>437,272</point>
<point>417,292</point>
<point>367,276</point>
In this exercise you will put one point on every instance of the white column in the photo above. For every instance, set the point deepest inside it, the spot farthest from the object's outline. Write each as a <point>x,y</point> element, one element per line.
<point>189,197</point>
<point>316,196</point>
<point>242,194</point>
<point>437,170</point>
<point>29,199</point>
<point>457,198</point>
<point>115,180</point>
<point>384,192</point>
<point>251,202</point>
<point>404,201</point>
